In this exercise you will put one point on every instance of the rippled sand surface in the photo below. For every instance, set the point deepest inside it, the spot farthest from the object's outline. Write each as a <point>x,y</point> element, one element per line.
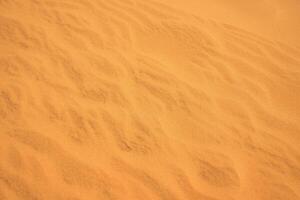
<point>149,100</point>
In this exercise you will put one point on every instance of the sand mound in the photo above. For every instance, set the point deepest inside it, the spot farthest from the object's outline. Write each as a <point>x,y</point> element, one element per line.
<point>125,99</point>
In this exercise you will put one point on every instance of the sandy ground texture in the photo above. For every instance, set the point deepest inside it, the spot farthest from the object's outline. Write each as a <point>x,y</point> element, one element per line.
<point>148,100</point>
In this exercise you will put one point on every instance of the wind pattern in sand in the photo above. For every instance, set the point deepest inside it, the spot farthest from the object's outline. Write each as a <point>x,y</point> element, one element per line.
<point>133,99</point>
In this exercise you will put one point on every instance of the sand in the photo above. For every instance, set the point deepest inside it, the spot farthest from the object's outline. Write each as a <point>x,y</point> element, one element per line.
<point>146,100</point>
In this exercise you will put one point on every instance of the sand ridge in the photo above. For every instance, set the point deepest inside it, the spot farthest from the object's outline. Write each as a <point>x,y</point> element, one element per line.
<point>132,99</point>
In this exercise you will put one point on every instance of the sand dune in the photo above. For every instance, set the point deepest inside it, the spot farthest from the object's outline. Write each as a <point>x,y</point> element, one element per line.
<point>132,99</point>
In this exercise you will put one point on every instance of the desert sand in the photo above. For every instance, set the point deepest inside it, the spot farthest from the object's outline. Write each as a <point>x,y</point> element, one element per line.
<point>149,99</point>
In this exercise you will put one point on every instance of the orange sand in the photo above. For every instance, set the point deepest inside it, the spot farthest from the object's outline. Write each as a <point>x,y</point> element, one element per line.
<point>148,100</point>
